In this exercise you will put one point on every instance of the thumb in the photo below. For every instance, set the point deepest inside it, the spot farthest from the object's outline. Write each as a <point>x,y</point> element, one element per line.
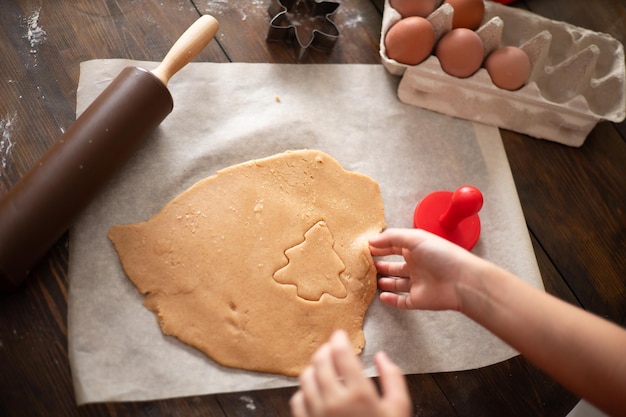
<point>395,393</point>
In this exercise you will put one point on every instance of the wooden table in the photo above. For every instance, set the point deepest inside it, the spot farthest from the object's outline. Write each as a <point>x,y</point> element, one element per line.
<point>574,199</point>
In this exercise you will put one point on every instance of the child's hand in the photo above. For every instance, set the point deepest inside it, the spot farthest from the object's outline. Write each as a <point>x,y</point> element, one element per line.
<point>334,385</point>
<point>430,274</point>
<point>573,346</point>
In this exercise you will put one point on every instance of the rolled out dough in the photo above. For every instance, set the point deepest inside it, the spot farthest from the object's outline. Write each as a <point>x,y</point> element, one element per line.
<point>257,265</point>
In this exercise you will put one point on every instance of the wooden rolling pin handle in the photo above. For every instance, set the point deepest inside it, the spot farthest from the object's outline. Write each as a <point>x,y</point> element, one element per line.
<point>190,43</point>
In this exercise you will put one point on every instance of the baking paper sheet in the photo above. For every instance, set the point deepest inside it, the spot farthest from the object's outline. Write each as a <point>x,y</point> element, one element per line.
<point>226,114</point>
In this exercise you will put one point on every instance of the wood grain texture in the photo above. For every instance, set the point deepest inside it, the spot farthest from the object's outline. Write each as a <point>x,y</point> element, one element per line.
<point>574,200</point>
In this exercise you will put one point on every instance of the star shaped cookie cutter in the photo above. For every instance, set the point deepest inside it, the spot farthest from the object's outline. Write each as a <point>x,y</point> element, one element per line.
<point>304,24</point>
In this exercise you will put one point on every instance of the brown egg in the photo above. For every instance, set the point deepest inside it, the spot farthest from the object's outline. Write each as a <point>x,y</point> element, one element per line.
<point>410,40</point>
<point>467,13</point>
<point>460,52</point>
<point>420,8</point>
<point>508,67</point>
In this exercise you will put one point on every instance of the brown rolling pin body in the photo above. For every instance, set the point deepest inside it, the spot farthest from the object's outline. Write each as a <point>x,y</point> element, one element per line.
<point>38,210</point>
<point>43,205</point>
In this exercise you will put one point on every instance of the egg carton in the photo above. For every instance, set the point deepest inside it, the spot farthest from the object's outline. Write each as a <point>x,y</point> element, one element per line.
<point>577,76</point>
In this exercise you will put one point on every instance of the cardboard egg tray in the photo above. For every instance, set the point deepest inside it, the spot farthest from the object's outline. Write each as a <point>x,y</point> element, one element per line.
<point>577,76</point>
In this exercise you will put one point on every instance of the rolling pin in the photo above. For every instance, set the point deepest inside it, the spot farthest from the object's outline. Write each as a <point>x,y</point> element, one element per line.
<point>44,203</point>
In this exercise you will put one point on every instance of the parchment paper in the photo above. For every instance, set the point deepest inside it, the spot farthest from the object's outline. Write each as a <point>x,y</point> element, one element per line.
<point>230,113</point>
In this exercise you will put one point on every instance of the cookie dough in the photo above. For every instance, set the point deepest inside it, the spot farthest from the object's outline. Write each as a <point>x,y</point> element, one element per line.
<point>258,265</point>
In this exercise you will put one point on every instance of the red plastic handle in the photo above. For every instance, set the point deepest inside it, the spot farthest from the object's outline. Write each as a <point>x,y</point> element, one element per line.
<point>466,201</point>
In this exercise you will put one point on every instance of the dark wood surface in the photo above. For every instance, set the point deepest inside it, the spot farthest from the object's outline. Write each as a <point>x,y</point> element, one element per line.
<point>574,199</point>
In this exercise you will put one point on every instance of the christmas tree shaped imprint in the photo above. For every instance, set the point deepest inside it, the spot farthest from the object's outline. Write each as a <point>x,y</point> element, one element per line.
<point>313,266</point>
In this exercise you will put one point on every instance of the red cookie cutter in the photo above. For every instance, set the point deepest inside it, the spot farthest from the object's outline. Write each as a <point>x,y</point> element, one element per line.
<point>451,215</point>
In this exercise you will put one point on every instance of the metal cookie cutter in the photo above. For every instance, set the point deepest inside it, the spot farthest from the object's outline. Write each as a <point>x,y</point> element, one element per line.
<point>304,24</point>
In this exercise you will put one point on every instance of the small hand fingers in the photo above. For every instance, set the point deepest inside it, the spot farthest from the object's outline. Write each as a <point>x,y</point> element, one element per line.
<point>347,364</point>
<point>325,372</point>
<point>394,269</point>
<point>312,399</point>
<point>393,385</point>
<point>297,404</point>
<point>401,301</point>
<point>393,241</point>
<point>398,285</point>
